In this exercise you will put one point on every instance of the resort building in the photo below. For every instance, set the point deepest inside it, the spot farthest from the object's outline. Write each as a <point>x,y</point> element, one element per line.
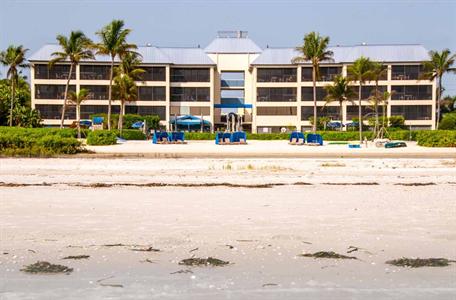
<point>234,75</point>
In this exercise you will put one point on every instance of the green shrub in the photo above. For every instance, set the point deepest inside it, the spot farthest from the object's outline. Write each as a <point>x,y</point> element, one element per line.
<point>199,136</point>
<point>396,121</point>
<point>62,145</point>
<point>131,134</point>
<point>152,121</point>
<point>436,138</point>
<point>101,137</point>
<point>448,122</point>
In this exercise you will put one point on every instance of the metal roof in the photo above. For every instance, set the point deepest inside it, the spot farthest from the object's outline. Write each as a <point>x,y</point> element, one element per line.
<point>347,54</point>
<point>232,45</point>
<point>150,55</point>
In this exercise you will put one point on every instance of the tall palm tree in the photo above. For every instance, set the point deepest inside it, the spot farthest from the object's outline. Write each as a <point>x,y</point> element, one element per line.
<point>379,71</point>
<point>75,48</point>
<point>126,75</point>
<point>382,100</point>
<point>77,99</point>
<point>439,63</point>
<point>314,50</point>
<point>14,59</point>
<point>339,91</point>
<point>360,71</point>
<point>113,43</point>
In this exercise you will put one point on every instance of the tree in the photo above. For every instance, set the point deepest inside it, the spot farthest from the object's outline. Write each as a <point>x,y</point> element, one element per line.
<point>379,71</point>
<point>14,59</point>
<point>314,50</point>
<point>439,63</point>
<point>339,91</point>
<point>77,99</point>
<point>21,95</point>
<point>360,71</point>
<point>125,88</point>
<point>26,117</point>
<point>75,48</point>
<point>113,43</point>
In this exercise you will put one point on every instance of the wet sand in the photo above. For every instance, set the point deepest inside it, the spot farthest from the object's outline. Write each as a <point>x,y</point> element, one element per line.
<point>315,205</point>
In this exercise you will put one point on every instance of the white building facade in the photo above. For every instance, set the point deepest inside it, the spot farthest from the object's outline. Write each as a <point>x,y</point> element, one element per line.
<point>233,74</point>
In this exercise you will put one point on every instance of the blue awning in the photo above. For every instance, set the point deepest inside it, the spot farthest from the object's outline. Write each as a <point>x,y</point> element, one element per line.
<point>188,120</point>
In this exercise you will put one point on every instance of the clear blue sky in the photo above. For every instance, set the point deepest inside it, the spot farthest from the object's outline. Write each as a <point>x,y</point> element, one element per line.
<point>33,23</point>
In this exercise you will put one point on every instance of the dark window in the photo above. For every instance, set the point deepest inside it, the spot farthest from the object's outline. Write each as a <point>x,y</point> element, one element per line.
<point>306,74</point>
<point>411,92</point>
<point>232,79</point>
<point>366,111</point>
<point>146,110</point>
<point>54,112</point>
<point>328,73</point>
<point>276,111</point>
<point>332,112</point>
<point>46,91</point>
<point>190,75</point>
<point>152,93</point>
<point>276,94</point>
<point>192,110</point>
<point>406,72</point>
<point>88,110</point>
<point>54,72</point>
<point>153,74</point>
<point>412,112</point>
<point>97,92</point>
<point>368,91</point>
<point>276,75</point>
<point>95,72</point>
<point>190,94</point>
<point>307,94</point>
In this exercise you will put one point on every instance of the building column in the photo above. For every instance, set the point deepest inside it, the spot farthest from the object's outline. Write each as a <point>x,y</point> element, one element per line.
<point>212,98</point>
<point>168,97</point>
<point>298,99</point>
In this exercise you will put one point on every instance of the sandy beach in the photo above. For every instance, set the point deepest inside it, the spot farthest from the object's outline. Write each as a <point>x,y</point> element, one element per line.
<point>259,214</point>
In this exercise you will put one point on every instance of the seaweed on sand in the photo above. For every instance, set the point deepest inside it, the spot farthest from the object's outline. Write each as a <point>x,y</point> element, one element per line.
<point>146,249</point>
<point>76,257</point>
<point>45,267</point>
<point>420,262</point>
<point>210,261</point>
<point>327,254</point>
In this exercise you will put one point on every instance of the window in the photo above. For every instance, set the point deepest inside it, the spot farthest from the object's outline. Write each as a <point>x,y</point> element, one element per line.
<point>332,112</point>
<point>276,75</point>
<point>326,73</point>
<point>276,94</point>
<point>412,112</point>
<point>149,93</point>
<point>276,111</point>
<point>232,79</point>
<point>406,72</point>
<point>153,74</point>
<point>368,91</point>
<point>307,94</point>
<point>232,97</point>
<point>46,91</point>
<point>192,110</point>
<point>55,72</point>
<point>190,75</point>
<point>54,112</point>
<point>366,111</point>
<point>146,110</point>
<point>95,72</point>
<point>97,92</point>
<point>306,74</point>
<point>190,94</point>
<point>411,92</point>
<point>88,110</point>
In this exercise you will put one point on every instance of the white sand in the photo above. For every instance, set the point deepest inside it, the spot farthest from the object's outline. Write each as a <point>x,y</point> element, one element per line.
<point>255,148</point>
<point>268,228</point>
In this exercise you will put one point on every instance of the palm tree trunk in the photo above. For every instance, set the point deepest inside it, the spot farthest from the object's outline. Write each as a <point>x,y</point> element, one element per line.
<point>314,81</point>
<point>66,96</point>
<point>360,120</point>
<point>122,111</point>
<point>78,117</point>
<point>439,90</point>
<point>341,112</point>
<point>376,127</point>
<point>13,95</point>
<point>110,93</point>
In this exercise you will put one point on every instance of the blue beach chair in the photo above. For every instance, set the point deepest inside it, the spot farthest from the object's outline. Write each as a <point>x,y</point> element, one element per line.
<point>315,139</point>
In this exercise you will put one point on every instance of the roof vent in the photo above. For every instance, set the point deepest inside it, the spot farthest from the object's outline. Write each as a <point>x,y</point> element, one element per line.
<point>148,45</point>
<point>232,34</point>
<point>364,43</point>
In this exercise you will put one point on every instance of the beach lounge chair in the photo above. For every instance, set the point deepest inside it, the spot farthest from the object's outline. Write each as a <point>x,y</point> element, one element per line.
<point>178,137</point>
<point>395,145</point>
<point>226,138</point>
<point>314,139</point>
<point>160,137</point>
<point>293,138</point>
<point>219,138</point>
<point>239,137</point>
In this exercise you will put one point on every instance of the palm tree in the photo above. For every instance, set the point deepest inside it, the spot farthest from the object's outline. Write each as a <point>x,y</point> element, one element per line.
<point>75,48</point>
<point>14,59</point>
<point>339,91</point>
<point>360,71</point>
<point>439,63</point>
<point>77,99</point>
<point>379,71</point>
<point>125,88</point>
<point>314,50</point>
<point>113,43</point>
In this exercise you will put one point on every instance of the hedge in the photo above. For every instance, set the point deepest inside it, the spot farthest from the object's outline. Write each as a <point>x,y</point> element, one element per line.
<point>16,141</point>
<point>101,137</point>
<point>153,121</point>
<point>131,134</point>
<point>436,138</point>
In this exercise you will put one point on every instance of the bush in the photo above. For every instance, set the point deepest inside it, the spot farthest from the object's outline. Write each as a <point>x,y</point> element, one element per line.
<point>101,137</point>
<point>396,121</point>
<point>199,136</point>
<point>448,122</point>
<point>16,141</point>
<point>436,138</point>
<point>152,121</point>
<point>131,134</point>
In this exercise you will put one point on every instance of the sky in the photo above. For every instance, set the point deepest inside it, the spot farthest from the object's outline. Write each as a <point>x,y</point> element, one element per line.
<point>277,23</point>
